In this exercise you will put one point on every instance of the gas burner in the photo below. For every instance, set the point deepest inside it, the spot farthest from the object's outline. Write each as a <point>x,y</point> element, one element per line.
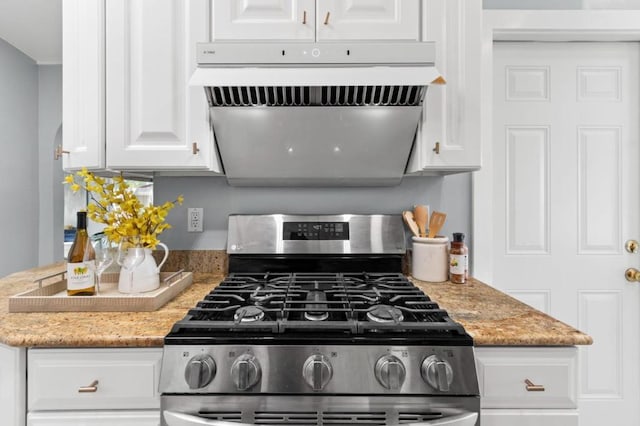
<point>385,314</point>
<point>316,316</point>
<point>248,314</point>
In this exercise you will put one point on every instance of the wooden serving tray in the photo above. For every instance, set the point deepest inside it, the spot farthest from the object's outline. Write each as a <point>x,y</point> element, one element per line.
<point>53,297</point>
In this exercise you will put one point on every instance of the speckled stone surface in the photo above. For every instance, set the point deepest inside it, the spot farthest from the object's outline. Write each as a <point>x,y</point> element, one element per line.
<point>495,319</point>
<point>489,315</point>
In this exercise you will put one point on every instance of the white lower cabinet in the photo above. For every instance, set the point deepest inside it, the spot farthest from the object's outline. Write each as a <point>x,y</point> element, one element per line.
<point>93,386</point>
<point>13,385</point>
<point>94,418</point>
<point>529,417</point>
<point>528,386</point>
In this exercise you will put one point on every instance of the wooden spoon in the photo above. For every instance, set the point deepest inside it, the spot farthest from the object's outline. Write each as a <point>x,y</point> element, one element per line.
<point>435,223</point>
<point>407,216</point>
<point>421,216</point>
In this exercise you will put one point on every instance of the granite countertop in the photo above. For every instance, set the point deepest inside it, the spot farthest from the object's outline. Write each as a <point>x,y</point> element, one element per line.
<point>490,316</point>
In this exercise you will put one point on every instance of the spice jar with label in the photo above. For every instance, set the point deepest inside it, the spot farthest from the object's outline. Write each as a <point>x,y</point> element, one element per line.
<point>458,259</point>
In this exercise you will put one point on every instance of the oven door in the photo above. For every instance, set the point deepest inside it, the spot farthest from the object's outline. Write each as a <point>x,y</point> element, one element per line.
<point>179,419</point>
<point>318,410</point>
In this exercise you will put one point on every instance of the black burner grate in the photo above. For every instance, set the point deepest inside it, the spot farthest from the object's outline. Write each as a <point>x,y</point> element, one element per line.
<point>356,304</point>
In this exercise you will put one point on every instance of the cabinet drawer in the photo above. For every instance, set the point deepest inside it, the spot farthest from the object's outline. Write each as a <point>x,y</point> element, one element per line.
<point>127,378</point>
<point>502,373</point>
<point>529,417</point>
<point>94,418</point>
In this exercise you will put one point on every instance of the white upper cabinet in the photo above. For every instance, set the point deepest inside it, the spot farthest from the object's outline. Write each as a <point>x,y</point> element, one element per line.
<point>368,20</point>
<point>83,84</point>
<point>292,20</point>
<point>448,138</point>
<point>155,121</point>
<point>316,20</point>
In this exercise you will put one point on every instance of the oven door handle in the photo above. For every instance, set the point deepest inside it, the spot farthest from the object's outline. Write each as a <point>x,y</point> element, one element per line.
<point>179,419</point>
<point>467,419</point>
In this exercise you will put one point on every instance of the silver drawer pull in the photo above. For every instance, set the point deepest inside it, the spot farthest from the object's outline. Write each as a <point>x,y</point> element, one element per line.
<point>531,387</point>
<point>93,387</point>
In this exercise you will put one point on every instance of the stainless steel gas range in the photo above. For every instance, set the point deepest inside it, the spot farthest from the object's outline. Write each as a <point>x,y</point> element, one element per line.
<point>316,325</point>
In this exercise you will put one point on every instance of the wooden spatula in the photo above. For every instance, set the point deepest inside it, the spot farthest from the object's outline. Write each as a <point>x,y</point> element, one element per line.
<point>435,223</point>
<point>421,216</point>
<point>407,216</point>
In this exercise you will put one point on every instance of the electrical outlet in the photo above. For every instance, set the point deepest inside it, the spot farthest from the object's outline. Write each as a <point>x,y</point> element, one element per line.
<point>194,219</point>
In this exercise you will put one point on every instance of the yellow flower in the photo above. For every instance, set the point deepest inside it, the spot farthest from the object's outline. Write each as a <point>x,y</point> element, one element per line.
<point>116,206</point>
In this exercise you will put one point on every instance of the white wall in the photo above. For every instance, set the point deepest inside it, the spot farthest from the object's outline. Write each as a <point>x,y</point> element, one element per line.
<point>450,194</point>
<point>51,200</point>
<point>18,160</point>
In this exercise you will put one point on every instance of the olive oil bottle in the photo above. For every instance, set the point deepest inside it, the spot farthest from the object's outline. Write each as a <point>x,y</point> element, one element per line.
<point>80,271</point>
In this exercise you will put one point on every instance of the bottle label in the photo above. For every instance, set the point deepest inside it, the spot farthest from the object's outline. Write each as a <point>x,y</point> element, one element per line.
<point>79,276</point>
<point>457,264</point>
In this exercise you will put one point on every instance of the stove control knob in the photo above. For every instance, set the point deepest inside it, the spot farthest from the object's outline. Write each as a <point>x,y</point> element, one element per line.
<point>201,369</point>
<point>437,372</point>
<point>317,371</point>
<point>390,372</point>
<point>245,371</point>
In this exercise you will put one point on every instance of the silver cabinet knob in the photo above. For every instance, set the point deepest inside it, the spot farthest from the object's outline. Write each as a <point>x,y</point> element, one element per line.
<point>200,371</point>
<point>245,371</point>
<point>437,372</point>
<point>317,371</point>
<point>390,372</point>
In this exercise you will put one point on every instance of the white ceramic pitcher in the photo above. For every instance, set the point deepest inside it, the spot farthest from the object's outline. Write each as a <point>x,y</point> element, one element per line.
<point>145,276</point>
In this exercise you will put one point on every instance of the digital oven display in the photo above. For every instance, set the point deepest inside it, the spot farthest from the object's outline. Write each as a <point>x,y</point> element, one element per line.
<point>315,231</point>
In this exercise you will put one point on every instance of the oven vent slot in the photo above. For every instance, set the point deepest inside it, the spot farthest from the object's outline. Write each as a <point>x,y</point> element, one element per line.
<point>324,418</point>
<point>221,415</point>
<point>353,418</point>
<point>286,417</point>
<point>418,417</point>
<point>343,96</point>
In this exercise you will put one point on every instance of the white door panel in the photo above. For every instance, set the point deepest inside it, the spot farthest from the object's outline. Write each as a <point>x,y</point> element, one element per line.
<point>368,20</point>
<point>83,76</point>
<point>153,116</point>
<point>290,20</point>
<point>566,185</point>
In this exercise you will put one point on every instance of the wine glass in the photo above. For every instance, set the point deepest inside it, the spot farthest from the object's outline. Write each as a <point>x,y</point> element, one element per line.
<point>102,251</point>
<point>130,255</point>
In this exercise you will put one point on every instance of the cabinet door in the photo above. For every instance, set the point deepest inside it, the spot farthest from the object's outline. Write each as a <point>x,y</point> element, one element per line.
<point>94,418</point>
<point>13,385</point>
<point>368,20</point>
<point>153,116</point>
<point>83,84</point>
<point>290,20</point>
<point>451,117</point>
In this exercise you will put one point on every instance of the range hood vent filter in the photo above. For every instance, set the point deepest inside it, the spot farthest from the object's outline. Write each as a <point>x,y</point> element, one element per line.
<point>345,96</point>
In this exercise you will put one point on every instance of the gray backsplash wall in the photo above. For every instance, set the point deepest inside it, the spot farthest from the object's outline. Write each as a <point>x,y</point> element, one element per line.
<point>451,194</point>
<point>18,160</point>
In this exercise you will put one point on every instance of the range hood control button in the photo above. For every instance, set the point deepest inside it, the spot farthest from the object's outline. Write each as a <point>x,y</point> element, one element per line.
<point>437,373</point>
<point>245,372</point>
<point>390,372</point>
<point>200,371</point>
<point>317,372</point>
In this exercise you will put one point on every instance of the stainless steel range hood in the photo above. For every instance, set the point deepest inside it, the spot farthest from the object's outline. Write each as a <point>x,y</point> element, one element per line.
<point>315,114</point>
